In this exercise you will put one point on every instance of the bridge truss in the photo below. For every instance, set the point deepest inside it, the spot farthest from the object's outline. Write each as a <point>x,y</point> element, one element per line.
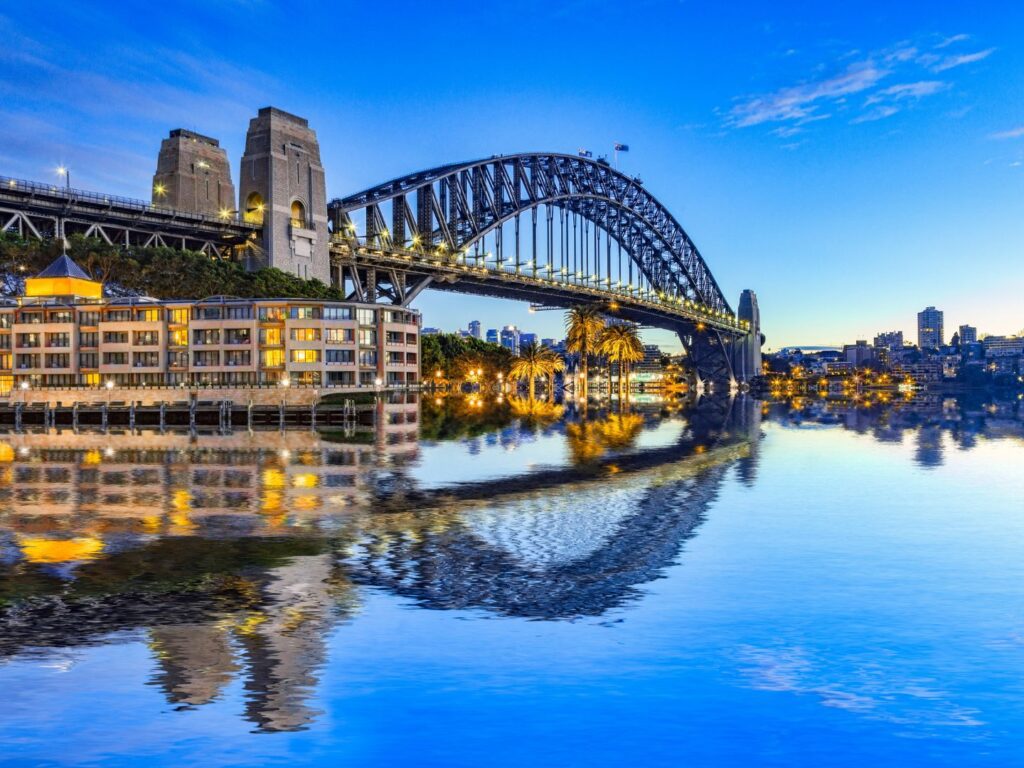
<point>553,229</point>
<point>34,210</point>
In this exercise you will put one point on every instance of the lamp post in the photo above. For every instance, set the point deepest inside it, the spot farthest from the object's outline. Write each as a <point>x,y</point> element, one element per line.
<point>66,173</point>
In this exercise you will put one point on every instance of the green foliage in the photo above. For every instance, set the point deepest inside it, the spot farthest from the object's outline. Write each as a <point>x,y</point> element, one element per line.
<point>452,354</point>
<point>163,273</point>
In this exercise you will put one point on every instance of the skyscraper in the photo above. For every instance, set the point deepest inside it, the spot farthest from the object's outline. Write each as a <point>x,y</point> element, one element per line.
<point>968,334</point>
<point>510,339</point>
<point>492,335</point>
<point>929,328</point>
<point>474,329</point>
<point>747,355</point>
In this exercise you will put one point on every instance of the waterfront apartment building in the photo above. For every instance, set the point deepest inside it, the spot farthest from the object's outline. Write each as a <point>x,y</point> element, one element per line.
<point>929,328</point>
<point>63,333</point>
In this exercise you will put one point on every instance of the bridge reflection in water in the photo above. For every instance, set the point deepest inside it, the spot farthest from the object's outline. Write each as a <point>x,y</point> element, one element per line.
<point>234,556</point>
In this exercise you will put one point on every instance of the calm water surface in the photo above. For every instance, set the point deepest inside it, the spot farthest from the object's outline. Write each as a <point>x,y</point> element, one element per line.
<point>471,583</point>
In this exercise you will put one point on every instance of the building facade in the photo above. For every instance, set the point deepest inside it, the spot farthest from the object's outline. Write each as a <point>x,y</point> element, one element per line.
<point>62,333</point>
<point>474,329</point>
<point>968,334</point>
<point>929,328</point>
<point>890,340</point>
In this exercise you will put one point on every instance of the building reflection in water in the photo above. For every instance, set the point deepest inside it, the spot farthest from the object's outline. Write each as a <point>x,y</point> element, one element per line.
<point>235,555</point>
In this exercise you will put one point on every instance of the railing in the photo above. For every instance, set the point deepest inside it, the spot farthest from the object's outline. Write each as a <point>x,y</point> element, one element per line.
<point>73,195</point>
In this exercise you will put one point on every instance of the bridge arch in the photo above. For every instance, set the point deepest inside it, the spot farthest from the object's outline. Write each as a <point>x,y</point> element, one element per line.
<point>613,237</point>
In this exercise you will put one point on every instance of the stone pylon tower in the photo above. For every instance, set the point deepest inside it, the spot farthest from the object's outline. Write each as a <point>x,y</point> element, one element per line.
<point>282,186</point>
<point>193,174</point>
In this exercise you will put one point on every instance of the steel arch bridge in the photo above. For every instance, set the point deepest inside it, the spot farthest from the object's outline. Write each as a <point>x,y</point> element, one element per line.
<point>552,229</point>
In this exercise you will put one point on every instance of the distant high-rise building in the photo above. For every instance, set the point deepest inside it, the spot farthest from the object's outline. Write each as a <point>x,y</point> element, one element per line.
<point>527,338</point>
<point>968,334</point>
<point>474,329</point>
<point>859,353</point>
<point>891,340</point>
<point>551,343</point>
<point>510,339</point>
<point>747,355</point>
<point>430,332</point>
<point>492,335</point>
<point>929,328</point>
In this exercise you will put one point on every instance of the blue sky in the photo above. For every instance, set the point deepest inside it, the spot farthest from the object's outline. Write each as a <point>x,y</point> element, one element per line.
<point>851,163</point>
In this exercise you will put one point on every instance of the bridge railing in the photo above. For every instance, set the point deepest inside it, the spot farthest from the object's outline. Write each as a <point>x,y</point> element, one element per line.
<point>525,272</point>
<point>73,195</point>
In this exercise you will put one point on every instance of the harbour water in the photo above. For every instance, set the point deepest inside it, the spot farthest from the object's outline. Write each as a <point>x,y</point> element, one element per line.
<point>479,583</point>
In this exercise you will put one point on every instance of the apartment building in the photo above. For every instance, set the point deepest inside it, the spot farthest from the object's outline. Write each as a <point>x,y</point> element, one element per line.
<point>63,333</point>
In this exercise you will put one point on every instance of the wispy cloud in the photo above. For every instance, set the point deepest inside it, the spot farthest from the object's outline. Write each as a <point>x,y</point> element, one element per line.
<point>949,62</point>
<point>857,73</point>
<point>800,102</point>
<point>1013,133</point>
<point>951,40</point>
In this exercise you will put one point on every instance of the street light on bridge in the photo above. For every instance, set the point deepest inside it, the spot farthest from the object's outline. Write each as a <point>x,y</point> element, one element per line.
<point>66,173</point>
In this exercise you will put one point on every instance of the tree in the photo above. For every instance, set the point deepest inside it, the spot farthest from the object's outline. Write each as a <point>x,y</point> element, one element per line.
<point>583,326</point>
<point>535,361</point>
<point>621,342</point>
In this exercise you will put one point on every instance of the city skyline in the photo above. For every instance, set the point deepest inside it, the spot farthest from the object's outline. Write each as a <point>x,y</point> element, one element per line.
<point>926,118</point>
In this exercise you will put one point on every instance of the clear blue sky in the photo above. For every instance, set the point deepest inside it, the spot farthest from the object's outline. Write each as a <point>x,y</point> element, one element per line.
<point>852,163</point>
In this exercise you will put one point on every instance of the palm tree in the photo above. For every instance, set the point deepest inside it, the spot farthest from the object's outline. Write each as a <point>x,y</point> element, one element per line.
<point>534,361</point>
<point>621,342</point>
<point>583,324</point>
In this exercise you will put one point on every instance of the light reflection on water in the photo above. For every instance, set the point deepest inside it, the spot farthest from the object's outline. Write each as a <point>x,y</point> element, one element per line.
<point>249,569</point>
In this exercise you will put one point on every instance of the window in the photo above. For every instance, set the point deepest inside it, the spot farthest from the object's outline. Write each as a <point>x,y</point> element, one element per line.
<point>61,359</point>
<point>238,357</point>
<point>272,313</point>
<point>145,359</point>
<point>91,379</point>
<point>366,316</point>
<point>394,337</point>
<point>88,339</point>
<point>6,320</point>
<point>304,313</point>
<point>410,358</point>
<point>339,313</point>
<point>272,358</point>
<point>88,360</point>
<point>367,336</point>
<point>339,335</point>
<point>305,356</point>
<point>410,338</point>
<point>341,378</point>
<point>242,312</point>
<point>88,318</point>
<point>117,316</point>
<point>396,358</point>
<point>29,339</point>
<point>206,313</point>
<point>31,318</point>
<point>6,360</point>
<point>115,337</point>
<point>298,210</point>
<point>179,316</point>
<point>178,337</point>
<point>61,316</point>
<point>237,336</point>
<point>206,336</point>
<point>5,341</point>
<point>26,361</point>
<point>305,334</point>
<point>270,337</point>
<point>147,338</point>
<point>342,356</point>
<point>368,357</point>
<point>115,358</point>
<point>58,339</point>
<point>206,358</point>
<point>151,315</point>
<point>177,359</point>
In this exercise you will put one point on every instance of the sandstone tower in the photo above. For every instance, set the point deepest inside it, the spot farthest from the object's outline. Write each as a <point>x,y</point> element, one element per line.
<point>193,174</point>
<point>282,186</point>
